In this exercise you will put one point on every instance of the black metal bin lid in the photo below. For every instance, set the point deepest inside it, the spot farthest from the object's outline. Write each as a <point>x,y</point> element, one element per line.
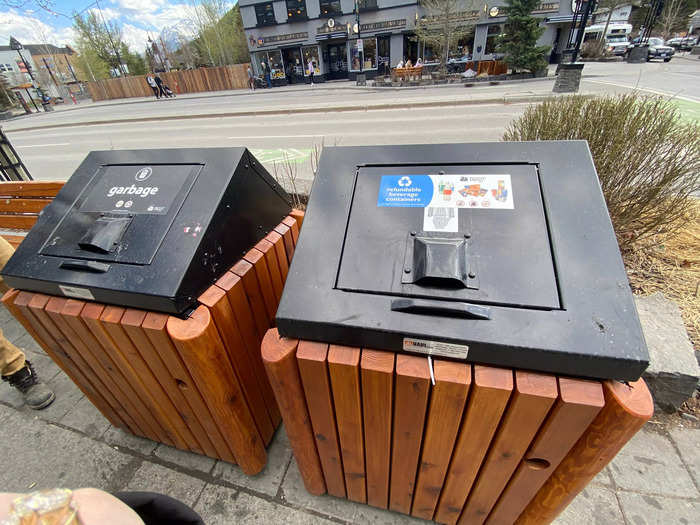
<point>494,253</point>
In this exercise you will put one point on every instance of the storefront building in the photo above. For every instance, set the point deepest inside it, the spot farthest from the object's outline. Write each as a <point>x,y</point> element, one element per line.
<point>289,34</point>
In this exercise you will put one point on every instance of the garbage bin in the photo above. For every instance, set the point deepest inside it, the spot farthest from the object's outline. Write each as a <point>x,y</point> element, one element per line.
<point>456,320</point>
<point>144,280</point>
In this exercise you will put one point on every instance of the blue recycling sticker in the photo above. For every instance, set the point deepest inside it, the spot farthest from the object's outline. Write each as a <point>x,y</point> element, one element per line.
<point>405,191</point>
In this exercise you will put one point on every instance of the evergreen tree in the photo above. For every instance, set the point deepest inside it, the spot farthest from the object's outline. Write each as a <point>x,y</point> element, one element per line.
<point>519,41</point>
<point>133,61</point>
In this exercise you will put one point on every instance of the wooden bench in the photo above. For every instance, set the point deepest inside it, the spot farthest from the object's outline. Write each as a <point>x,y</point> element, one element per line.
<point>199,383</point>
<point>20,205</point>
<point>479,445</point>
<point>406,73</point>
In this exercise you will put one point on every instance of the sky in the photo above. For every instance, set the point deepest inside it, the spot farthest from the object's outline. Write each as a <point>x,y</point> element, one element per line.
<point>31,24</point>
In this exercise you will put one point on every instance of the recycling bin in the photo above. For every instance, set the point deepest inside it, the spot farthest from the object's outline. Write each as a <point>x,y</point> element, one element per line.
<point>457,339</point>
<point>150,279</point>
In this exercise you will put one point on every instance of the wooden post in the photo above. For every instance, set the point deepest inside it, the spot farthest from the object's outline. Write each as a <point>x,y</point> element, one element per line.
<point>279,356</point>
<point>202,351</point>
<point>627,408</point>
<point>578,404</point>
<point>452,382</point>
<point>533,397</point>
<point>490,392</point>
<point>344,368</point>
<point>411,402</point>
<point>313,369</point>
<point>377,373</point>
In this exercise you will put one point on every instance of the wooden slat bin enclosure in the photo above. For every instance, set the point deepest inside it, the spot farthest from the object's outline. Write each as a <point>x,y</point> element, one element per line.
<point>480,445</point>
<point>197,384</point>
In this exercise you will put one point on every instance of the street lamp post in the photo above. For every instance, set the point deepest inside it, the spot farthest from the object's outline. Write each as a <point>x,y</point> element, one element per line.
<point>360,44</point>
<point>14,44</point>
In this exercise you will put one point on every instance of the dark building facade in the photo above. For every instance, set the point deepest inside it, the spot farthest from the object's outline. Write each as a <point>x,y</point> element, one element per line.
<point>287,34</point>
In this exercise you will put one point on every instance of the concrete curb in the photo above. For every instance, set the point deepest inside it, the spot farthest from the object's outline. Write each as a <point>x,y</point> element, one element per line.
<point>367,107</point>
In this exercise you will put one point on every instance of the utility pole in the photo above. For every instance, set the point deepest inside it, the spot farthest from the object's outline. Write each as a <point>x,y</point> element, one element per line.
<point>360,43</point>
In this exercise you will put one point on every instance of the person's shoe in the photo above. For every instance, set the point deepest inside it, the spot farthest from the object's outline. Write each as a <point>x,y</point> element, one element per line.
<point>36,394</point>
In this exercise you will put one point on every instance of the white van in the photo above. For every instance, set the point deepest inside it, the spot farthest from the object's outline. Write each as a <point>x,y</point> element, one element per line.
<point>616,39</point>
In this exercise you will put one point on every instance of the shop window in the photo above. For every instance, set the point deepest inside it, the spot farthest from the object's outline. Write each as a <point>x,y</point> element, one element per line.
<point>330,8</point>
<point>311,53</point>
<point>273,60</point>
<point>492,39</point>
<point>265,14</point>
<point>368,56</point>
<point>296,10</point>
<point>367,5</point>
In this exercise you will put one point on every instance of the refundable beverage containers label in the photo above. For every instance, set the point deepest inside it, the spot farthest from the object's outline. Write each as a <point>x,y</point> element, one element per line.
<point>442,196</point>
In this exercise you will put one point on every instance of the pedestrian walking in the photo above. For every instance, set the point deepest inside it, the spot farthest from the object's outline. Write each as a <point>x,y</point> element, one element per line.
<point>266,74</point>
<point>311,71</point>
<point>251,79</point>
<point>152,84</point>
<point>14,367</point>
<point>161,88</point>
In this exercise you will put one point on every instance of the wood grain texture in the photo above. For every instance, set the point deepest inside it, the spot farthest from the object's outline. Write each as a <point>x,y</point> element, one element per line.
<point>30,189</point>
<point>22,205</point>
<point>268,251</point>
<point>235,293</point>
<point>377,374</point>
<point>278,242</point>
<point>110,356</point>
<point>279,356</point>
<point>201,349</point>
<point>18,222</point>
<point>286,233</point>
<point>155,328</point>
<point>344,370</point>
<point>532,399</point>
<point>294,227</point>
<point>448,396</point>
<point>412,387</point>
<point>298,216</point>
<point>91,386</point>
<point>245,271</point>
<point>90,348</point>
<point>313,370</point>
<point>226,324</point>
<point>262,274</point>
<point>188,426</point>
<point>627,408</point>
<point>19,304</point>
<point>490,392</point>
<point>578,403</point>
<point>162,409</point>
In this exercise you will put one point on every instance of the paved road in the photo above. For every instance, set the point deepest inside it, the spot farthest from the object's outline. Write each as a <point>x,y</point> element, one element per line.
<point>53,154</point>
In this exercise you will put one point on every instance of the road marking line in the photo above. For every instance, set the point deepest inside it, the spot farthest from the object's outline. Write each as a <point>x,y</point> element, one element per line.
<point>275,136</point>
<point>656,92</point>
<point>42,145</point>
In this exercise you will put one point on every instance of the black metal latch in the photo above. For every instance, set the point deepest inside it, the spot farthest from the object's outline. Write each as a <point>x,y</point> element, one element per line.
<point>440,260</point>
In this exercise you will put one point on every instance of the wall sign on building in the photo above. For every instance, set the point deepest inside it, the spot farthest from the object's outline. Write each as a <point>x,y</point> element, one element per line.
<point>282,38</point>
<point>388,24</point>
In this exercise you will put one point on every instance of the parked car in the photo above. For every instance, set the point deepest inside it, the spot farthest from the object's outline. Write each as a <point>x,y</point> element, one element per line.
<point>657,49</point>
<point>616,44</point>
<point>682,43</point>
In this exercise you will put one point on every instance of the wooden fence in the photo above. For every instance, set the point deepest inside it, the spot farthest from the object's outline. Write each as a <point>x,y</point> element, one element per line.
<point>188,81</point>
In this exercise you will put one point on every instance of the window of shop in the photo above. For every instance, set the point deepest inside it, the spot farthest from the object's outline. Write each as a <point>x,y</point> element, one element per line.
<point>492,38</point>
<point>368,55</point>
<point>330,8</point>
<point>273,59</point>
<point>367,5</point>
<point>311,53</point>
<point>296,10</point>
<point>265,14</point>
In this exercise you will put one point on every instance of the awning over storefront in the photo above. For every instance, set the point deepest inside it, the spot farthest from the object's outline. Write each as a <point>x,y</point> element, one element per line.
<point>328,36</point>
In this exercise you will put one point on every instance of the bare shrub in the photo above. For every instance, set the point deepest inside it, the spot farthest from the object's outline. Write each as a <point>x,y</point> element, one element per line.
<point>647,160</point>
